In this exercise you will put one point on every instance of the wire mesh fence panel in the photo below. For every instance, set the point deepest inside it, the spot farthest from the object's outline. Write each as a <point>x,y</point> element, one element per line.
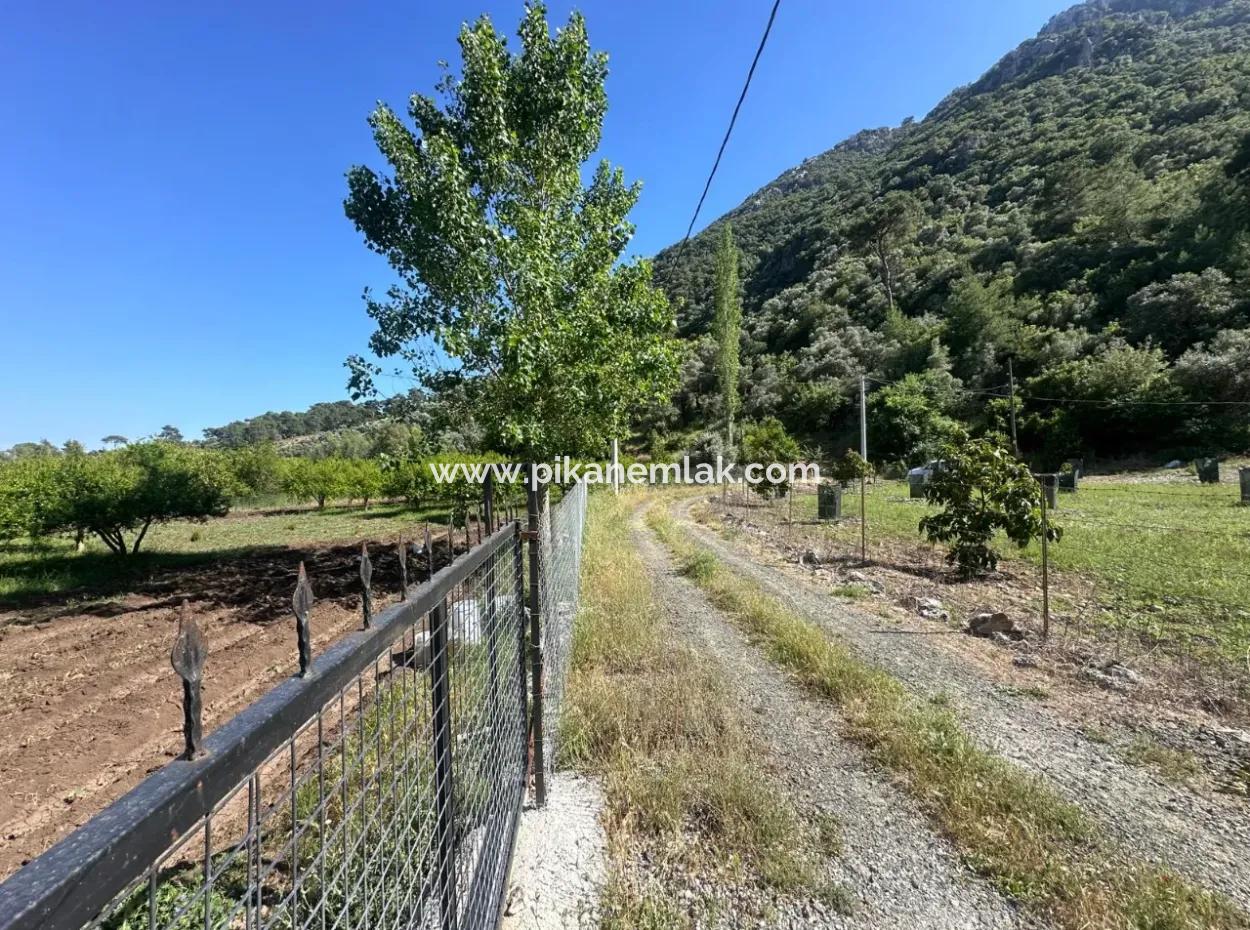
<point>383,789</point>
<point>560,537</point>
<point>1156,584</point>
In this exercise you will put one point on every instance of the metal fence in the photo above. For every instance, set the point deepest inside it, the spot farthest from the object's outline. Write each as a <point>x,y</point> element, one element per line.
<point>382,787</point>
<point>560,536</point>
<point>1178,631</point>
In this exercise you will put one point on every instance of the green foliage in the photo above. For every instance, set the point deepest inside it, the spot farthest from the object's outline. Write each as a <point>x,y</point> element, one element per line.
<point>767,442</point>
<point>112,494</point>
<point>1187,308</point>
<point>257,468</point>
<point>510,266</point>
<point>273,427</point>
<point>318,480</point>
<point>913,418</point>
<point>363,480</point>
<point>1120,397</point>
<point>982,490</point>
<point>727,329</point>
<point>851,467</point>
<point>1092,186</point>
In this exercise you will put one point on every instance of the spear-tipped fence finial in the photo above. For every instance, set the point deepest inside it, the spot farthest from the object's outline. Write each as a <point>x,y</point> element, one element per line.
<point>302,601</point>
<point>366,582</point>
<point>187,658</point>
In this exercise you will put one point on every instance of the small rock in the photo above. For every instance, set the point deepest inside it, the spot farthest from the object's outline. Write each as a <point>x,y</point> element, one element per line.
<point>1229,736</point>
<point>1175,463</point>
<point>1121,673</point>
<point>928,607</point>
<point>987,624</point>
<point>1103,680</point>
<point>862,579</point>
<point>1024,660</point>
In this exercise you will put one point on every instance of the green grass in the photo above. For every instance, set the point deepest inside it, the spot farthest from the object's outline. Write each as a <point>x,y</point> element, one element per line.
<point>34,569</point>
<point>659,726</point>
<point>1170,561</point>
<point>1011,827</point>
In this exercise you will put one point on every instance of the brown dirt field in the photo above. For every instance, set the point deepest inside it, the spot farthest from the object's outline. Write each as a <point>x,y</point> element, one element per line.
<point>90,704</point>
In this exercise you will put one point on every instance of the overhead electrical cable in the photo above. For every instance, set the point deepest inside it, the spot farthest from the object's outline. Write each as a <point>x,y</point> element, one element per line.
<point>728,132</point>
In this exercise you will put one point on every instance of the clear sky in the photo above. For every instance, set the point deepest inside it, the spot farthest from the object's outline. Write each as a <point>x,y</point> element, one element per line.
<point>172,242</point>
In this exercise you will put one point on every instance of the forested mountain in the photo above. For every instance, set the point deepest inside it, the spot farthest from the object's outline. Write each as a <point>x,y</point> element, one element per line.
<point>1082,210</point>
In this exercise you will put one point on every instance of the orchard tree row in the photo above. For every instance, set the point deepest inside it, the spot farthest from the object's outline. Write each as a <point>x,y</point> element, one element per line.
<point>119,494</point>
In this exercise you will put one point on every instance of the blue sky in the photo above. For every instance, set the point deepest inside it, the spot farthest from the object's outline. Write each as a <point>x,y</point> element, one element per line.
<point>173,247</point>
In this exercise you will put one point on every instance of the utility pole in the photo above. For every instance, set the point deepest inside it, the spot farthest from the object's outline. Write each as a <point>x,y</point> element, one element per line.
<point>1011,386</point>
<point>863,478</point>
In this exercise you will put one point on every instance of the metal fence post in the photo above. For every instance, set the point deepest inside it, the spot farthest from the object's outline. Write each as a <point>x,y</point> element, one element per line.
<point>533,500</point>
<point>518,574</point>
<point>488,501</point>
<point>1045,558</point>
<point>445,815</point>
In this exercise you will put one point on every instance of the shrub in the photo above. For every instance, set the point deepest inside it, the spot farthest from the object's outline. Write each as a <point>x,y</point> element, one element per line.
<point>317,480</point>
<point>911,419</point>
<point>767,442</point>
<point>982,489</point>
<point>256,469</point>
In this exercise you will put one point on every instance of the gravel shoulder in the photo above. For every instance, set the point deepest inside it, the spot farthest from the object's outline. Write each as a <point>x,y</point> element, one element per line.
<point>897,870</point>
<point>1203,838</point>
<point>558,867</point>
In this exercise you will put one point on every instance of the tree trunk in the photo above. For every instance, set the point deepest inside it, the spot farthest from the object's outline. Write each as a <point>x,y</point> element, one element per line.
<point>143,532</point>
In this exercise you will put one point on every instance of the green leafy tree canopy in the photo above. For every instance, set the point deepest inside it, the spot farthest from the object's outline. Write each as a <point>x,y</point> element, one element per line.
<point>765,443</point>
<point>508,264</point>
<point>982,490</point>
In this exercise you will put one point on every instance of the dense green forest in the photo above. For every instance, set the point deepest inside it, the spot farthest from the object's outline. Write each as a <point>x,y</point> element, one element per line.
<point>1082,211</point>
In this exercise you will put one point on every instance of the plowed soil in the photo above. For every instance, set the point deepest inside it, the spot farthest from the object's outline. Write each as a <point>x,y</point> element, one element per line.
<point>90,704</point>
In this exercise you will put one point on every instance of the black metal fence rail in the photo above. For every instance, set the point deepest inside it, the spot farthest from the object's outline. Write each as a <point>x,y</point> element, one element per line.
<point>381,788</point>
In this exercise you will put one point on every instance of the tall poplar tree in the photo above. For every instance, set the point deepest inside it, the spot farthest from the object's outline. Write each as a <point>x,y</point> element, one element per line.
<point>508,265</point>
<point>727,329</point>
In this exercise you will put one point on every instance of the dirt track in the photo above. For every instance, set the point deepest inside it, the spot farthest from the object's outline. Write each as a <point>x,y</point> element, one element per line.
<point>1203,836</point>
<point>91,704</point>
<point>897,869</point>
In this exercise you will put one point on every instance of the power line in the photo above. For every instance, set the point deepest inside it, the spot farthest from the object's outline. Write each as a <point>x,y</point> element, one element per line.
<point>1137,403</point>
<point>728,132</point>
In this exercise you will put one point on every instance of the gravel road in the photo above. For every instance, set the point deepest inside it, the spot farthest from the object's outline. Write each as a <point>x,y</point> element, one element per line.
<point>1203,838</point>
<point>897,870</point>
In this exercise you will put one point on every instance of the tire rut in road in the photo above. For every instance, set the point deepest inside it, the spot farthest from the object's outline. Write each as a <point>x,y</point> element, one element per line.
<point>898,871</point>
<point>1201,838</point>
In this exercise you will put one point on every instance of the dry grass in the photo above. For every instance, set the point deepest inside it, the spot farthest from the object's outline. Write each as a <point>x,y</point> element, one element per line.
<point>1012,828</point>
<point>659,726</point>
<point>1175,765</point>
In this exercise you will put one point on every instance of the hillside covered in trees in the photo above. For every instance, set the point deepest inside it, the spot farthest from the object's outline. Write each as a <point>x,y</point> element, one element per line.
<point>1082,211</point>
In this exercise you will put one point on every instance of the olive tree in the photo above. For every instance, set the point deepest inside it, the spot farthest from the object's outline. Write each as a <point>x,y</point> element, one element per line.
<point>509,266</point>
